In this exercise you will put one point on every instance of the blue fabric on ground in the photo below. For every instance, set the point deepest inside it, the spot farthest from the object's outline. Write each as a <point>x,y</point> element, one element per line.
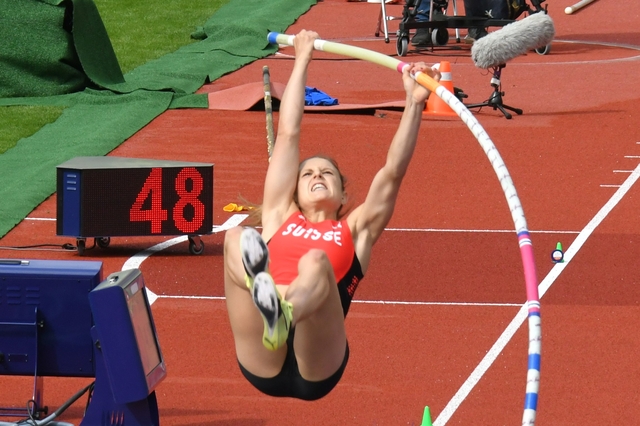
<point>315,97</point>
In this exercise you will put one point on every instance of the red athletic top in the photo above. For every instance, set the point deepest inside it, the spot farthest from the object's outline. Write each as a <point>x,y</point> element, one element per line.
<point>297,236</point>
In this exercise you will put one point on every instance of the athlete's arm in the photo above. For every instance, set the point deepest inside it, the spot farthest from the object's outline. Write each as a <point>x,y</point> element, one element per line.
<point>282,173</point>
<point>369,219</point>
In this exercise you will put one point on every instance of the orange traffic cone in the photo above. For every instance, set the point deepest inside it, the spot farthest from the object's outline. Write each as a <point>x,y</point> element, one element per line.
<point>435,105</point>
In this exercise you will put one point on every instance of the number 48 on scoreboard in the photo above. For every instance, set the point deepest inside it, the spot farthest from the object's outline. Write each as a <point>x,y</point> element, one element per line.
<point>102,197</point>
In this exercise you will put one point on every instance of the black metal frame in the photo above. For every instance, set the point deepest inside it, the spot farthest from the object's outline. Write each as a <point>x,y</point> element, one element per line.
<point>409,23</point>
<point>495,100</point>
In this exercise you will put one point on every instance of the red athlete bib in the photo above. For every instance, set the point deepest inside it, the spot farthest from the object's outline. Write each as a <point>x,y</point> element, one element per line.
<point>297,236</point>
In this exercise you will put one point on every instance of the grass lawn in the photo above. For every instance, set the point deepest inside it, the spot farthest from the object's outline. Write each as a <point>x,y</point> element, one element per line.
<point>139,31</point>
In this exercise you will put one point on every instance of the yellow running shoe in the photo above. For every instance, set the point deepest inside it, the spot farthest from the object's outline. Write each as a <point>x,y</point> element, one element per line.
<point>255,255</point>
<point>276,312</point>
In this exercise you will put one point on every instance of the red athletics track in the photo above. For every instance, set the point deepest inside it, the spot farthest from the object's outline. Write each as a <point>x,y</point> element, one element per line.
<point>577,141</point>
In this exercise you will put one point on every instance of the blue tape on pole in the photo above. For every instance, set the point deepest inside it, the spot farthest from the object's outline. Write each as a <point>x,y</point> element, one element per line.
<point>534,362</point>
<point>531,401</point>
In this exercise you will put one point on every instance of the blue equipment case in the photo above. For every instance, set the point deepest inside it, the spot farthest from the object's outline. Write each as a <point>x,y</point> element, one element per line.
<point>45,320</point>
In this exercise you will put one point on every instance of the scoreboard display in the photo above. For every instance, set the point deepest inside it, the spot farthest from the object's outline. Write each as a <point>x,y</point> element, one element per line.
<point>115,196</point>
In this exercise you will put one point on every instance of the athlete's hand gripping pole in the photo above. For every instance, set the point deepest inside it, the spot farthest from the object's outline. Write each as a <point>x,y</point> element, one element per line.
<point>358,53</point>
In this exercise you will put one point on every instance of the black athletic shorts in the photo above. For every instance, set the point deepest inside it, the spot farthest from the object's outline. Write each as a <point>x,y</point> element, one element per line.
<point>289,382</point>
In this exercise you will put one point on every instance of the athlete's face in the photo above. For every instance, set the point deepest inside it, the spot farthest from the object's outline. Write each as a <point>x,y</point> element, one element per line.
<point>319,182</point>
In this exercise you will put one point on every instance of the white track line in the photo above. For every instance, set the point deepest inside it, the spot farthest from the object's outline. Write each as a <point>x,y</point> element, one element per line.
<point>498,231</point>
<point>489,231</point>
<point>587,62</point>
<point>520,317</point>
<point>397,302</point>
<point>135,261</point>
<point>504,231</point>
<point>368,302</point>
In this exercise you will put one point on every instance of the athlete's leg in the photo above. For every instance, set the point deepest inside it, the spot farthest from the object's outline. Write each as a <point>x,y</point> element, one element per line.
<point>320,340</point>
<point>246,322</point>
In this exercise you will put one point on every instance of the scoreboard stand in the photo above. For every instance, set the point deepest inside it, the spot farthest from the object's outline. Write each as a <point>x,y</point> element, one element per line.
<point>104,197</point>
<point>196,245</point>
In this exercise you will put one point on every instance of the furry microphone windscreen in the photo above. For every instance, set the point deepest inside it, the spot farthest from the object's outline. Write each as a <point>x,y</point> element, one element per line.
<point>513,40</point>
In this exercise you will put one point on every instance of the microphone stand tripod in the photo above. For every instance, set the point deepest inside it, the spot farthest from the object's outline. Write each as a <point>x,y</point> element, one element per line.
<point>495,101</point>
